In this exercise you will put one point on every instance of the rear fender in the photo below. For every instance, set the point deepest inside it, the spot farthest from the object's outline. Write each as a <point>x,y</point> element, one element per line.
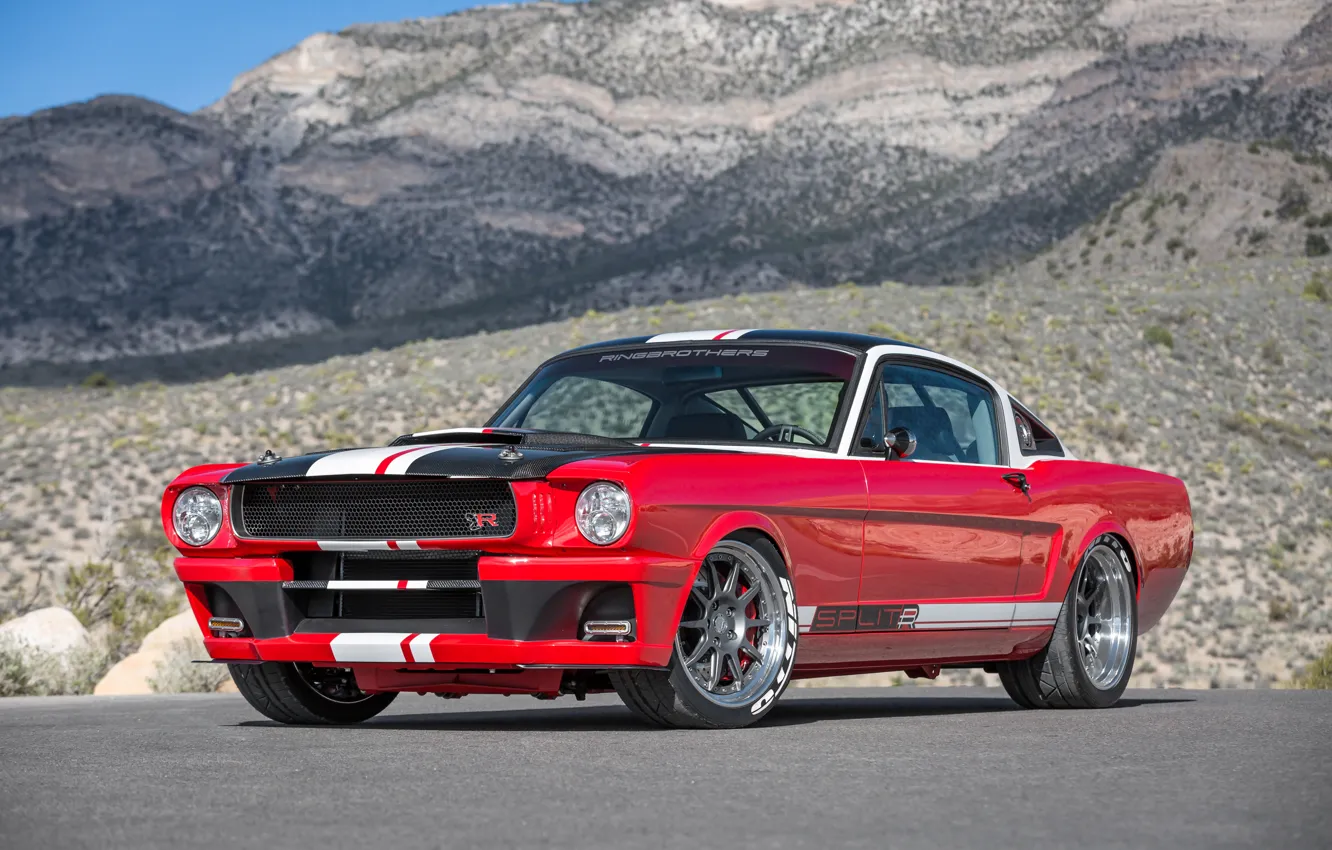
<point>1105,526</point>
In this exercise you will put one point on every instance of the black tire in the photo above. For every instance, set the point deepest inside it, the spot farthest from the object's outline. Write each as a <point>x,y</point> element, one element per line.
<point>671,698</point>
<point>283,692</point>
<point>1056,677</point>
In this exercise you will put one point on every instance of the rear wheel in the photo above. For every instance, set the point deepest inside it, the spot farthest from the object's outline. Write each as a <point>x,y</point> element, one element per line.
<point>734,648</point>
<point>1089,659</point>
<point>305,694</point>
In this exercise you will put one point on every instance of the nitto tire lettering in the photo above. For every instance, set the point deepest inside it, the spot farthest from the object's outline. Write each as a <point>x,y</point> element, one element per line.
<point>762,703</point>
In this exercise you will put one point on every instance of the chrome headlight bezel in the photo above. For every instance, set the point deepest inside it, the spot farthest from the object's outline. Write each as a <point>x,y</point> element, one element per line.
<point>195,505</point>
<point>603,512</point>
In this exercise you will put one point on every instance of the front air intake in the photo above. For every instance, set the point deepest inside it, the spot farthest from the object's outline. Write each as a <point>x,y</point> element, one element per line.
<point>376,510</point>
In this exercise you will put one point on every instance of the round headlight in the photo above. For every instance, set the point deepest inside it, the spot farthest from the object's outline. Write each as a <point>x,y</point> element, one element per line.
<point>602,512</point>
<point>197,515</point>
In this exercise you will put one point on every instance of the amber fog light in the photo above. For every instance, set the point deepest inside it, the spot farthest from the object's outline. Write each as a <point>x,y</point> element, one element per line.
<point>197,515</point>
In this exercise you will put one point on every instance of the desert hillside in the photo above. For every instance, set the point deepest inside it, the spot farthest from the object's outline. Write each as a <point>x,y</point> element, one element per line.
<point>1218,374</point>
<point>515,165</point>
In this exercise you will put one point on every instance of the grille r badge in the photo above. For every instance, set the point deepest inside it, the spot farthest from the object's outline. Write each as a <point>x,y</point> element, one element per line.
<point>476,522</point>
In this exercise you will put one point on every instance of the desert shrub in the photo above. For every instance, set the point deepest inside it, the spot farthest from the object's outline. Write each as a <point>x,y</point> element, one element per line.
<point>1174,243</point>
<point>1293,201</point>
<point>1315,245</point>
<point>1317,288</point>
<point>1280,610</point>
<point>98,381</point>
<point>1317,676</point>
<point>22,591</point>
<point>178,674</point>
<point>28,672</point>
<point>1271,352</point>
<point>1157,335</point>
<point>15,677</point>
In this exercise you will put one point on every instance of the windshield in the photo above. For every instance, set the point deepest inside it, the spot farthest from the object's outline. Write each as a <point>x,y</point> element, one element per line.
<point>712,393</point>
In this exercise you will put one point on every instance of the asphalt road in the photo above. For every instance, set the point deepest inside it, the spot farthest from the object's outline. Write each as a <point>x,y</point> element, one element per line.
<point>904,767</point>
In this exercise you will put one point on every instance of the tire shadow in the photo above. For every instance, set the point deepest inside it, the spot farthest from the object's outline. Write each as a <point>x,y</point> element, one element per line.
<point>790,712</point>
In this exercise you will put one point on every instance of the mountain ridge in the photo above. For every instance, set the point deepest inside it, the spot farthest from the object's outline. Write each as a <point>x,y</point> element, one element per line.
<point>510,165</point>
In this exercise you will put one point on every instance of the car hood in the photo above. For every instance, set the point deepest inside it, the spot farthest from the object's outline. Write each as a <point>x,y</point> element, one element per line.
<point>510,455</point>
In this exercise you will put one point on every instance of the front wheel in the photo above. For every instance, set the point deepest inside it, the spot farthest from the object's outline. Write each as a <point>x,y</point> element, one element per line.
<point>734,648</point>
<point>1089,659</point>
<point>305,694</point>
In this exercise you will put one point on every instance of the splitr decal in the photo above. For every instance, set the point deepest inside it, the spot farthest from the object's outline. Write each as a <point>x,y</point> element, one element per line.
<point>865,618</point>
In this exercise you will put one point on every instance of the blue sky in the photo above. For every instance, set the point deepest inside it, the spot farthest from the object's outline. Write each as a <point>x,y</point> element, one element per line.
<point>181,52</point>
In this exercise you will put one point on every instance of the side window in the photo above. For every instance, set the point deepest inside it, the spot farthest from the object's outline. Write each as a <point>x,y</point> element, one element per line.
<point>590,406</point>
<point>1034,436</point>
<point>952,418</point>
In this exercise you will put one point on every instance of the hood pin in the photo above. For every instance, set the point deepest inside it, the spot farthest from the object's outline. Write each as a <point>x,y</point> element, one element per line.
<point>510,454</point>
<point>268,458</point>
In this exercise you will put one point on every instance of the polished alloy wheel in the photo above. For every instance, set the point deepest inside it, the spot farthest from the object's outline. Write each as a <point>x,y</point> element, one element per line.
<point>731,640</point>
<point>1104,617</point>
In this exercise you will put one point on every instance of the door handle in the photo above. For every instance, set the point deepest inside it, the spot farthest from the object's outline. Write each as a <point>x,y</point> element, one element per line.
<point>1018,480</point>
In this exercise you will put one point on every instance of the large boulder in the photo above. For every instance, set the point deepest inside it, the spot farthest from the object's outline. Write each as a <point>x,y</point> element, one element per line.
<point>49,631</point>
<point>170,642</point>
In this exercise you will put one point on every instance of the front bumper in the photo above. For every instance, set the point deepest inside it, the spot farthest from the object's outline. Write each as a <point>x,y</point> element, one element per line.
<point>533,608</point>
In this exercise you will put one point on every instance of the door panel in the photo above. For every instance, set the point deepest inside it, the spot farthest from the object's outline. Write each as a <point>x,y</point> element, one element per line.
<point>939,531</point>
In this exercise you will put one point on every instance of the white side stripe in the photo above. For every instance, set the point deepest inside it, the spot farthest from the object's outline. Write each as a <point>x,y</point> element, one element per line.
<point>964,615</point>
<point>372,647</point>
<point>1037,611</point>
<point>935,616</point>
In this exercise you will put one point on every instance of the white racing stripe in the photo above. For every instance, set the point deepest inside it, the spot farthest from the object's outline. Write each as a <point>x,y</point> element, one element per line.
<point>351,462</point>
<point>369,648</point>
<point>377,584</point>
<point>718,335</point>
<point>398,466</point>
<point>419,649</point>
<point>352,545</point>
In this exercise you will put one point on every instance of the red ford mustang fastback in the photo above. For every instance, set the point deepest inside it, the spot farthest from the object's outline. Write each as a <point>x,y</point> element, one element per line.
<point>691,520</point>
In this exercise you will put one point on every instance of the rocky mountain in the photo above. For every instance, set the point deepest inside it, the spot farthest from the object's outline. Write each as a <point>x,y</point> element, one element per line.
<point>509,165</point>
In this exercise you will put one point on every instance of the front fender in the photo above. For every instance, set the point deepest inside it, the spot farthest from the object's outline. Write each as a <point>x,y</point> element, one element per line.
<point>741,520</point>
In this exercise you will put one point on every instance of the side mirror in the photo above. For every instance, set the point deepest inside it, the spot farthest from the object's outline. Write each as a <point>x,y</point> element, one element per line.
<point>901,443</point>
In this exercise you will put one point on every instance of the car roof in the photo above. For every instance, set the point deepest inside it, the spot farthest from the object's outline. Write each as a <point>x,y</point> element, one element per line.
<point>854,341</point>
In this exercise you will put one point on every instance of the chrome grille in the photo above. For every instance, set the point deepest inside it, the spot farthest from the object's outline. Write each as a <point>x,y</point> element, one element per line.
<point>375,510</point>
